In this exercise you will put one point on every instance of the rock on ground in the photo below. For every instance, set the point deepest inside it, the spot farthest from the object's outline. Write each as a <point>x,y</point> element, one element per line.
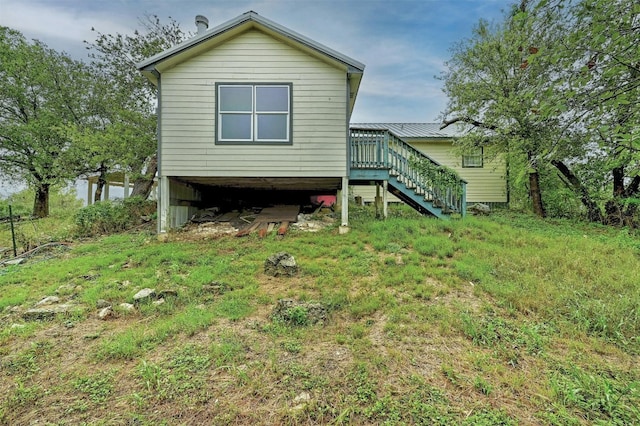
<point>48,313</point>
<point>106,313</point>
<point>288,310</point>
<point>101,304</point>
<point>281,264</point>
<point>127,307</point>
<point>479,208</point>
<point>144,295</point>
<point>48,300</point>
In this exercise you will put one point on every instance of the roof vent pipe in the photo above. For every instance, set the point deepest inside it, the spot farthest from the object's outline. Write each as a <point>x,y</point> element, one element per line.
<point>202,23</point>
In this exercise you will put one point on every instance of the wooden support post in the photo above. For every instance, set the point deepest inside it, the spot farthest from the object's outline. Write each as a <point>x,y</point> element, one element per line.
<point>106,190</point>
<point>163,205</point>
<point>385,198</point>
<point>378,201</point>
<point>344,199</point>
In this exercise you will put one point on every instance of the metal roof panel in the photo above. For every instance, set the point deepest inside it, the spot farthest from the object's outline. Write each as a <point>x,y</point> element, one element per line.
<point>417,130</point>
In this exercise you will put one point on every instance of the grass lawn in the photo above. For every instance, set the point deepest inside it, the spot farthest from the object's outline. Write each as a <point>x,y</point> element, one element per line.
<point>503,319</point>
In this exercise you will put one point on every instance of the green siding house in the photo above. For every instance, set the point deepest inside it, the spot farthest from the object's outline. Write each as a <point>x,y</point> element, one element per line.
<point>250,105</point>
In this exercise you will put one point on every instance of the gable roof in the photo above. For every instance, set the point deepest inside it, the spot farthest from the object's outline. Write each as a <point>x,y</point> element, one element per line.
<point>153,66</point>
<point>252,19</point>
<point>417,130</point>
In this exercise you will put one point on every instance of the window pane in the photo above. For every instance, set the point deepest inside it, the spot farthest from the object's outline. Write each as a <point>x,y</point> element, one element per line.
<point>235,98</point>
<point>272,98</point>
<point>473,159</point>
<point>272,127</point>
<point>235,126</point>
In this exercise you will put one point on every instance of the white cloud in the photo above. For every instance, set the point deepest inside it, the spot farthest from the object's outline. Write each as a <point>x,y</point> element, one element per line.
<point>60,27</point>
<point>403,43</point>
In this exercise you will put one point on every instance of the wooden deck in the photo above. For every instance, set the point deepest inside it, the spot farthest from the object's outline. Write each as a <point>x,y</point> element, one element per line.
<point>379,155</point>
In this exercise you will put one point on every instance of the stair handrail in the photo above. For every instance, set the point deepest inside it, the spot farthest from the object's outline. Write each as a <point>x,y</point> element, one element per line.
<point>383,149</point>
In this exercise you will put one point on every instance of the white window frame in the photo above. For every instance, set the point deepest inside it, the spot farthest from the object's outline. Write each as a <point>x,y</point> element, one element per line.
<point>470,160</point>
<point>254,140</point>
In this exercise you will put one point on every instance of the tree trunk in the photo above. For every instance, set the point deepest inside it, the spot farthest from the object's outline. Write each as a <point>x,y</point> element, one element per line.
<point>536,195</point>
<point>534,188</point>
<point>614,213</point>
<point>618,181</point>
<point>143,185</point>
<point>102,181</point>
<point>593,211</point>
<point>41,201</point>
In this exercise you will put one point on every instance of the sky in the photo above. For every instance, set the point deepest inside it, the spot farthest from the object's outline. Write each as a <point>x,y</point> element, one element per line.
<point>403,43</point>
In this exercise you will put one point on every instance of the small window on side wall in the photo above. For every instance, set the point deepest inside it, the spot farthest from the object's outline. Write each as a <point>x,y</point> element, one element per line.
<point>473,158</point>
<point>250,113</point>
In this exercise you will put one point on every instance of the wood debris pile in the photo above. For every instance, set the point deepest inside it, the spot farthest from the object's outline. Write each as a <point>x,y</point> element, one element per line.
<point>263,221</point>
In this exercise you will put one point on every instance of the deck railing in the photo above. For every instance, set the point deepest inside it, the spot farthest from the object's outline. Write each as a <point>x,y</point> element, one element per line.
<point>382,150</point>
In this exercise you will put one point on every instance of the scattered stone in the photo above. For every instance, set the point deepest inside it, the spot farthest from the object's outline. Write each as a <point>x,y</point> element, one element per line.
<point>302,397</point>
<point>101,304</point>
<point>38,314</point>
<point>302,400</point>
<point>281,264</point>
<point>313,222</point>
<point>158,302</point>
<point>215,287</point>
<point>165,294</point>
<point>48,313</point>
<point>66,289</point>
<point>300,313</point>
<point>15,309</point>
<point>16,326</point>
<point>124,284</point>
<point>127,307</point>
<point>479,209</point>
<point>48,300</point>
<point>69,324</point>
<point>106,313</point>
<point>145,295</point>
<point>90,277</point>
<point>16,261</point>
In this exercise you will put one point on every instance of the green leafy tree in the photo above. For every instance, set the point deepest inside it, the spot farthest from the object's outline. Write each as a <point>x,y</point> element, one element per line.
<point>494,86</point>
<point>597,83</point>
<point>556,85</point>
<point>130,118</point>
<point>41,91</point>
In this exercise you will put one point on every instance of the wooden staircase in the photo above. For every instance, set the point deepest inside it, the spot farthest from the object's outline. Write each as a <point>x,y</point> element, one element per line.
<point>379,155</point>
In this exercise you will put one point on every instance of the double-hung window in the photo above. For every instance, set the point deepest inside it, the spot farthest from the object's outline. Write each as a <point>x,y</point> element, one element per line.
<point>473,158</point>
<point>253,113</point>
